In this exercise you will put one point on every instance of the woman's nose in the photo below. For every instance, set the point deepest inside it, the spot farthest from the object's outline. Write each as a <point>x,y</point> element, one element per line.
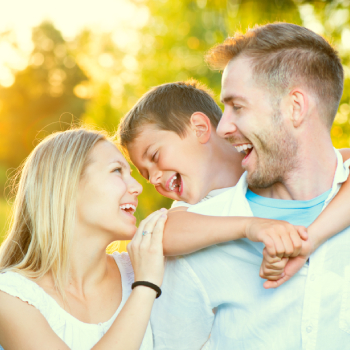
<point>135,187</point>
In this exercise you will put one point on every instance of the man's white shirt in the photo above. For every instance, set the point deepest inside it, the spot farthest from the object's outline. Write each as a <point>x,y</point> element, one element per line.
<point>310,312</point>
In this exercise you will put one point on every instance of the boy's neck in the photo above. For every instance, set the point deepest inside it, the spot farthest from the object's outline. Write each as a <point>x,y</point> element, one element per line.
<point>225,168</point>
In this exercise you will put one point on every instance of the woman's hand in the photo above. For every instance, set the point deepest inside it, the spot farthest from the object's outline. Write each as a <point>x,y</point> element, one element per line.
<point>146,250</point>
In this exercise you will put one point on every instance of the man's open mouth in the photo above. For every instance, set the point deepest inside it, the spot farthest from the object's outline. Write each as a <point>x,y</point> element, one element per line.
<point>245,148</point>
<point>175,183</point>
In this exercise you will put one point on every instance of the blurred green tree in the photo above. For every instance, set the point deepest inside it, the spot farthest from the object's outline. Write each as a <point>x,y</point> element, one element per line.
<point>41,99</point>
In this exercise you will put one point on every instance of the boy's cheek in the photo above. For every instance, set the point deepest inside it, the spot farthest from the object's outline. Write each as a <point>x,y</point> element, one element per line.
<point>164,193</point>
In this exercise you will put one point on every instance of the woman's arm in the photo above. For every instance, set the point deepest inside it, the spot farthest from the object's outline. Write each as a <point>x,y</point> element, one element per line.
<point>146,254</point>
<point>23,327</point>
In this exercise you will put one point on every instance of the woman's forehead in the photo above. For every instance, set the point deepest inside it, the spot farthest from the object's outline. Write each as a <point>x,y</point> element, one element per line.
<point>106,152</point>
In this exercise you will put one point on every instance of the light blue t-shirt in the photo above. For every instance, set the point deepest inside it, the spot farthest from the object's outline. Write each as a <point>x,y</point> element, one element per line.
<point>295,212</point>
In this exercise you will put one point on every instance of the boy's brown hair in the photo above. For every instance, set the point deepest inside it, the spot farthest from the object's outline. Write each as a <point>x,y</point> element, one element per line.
<point>169,107</point>
<point>283,55</point>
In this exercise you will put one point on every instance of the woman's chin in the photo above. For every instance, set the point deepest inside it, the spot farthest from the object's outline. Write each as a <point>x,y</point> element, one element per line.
<point>126,234</point>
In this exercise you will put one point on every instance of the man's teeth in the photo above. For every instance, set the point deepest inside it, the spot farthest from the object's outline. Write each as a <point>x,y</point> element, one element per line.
<point>244,147</point>
<point>128,206</point>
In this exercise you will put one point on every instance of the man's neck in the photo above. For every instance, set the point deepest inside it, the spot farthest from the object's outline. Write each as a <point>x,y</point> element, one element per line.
<point>312,177</point>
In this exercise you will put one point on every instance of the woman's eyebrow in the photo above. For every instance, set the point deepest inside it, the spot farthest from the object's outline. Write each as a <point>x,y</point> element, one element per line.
<point>122,164</point>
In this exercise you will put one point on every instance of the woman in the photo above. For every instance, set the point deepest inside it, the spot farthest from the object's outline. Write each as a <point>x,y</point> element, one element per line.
<point>58,287</point>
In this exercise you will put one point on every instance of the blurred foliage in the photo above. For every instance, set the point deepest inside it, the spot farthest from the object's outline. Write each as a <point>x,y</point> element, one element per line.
<point>97,77</point>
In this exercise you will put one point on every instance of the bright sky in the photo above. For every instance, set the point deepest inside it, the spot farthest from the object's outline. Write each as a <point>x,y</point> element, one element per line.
<point>69,16</point>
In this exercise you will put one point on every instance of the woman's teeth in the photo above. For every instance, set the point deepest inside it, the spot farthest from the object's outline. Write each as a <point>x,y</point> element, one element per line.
<point>243,148</point>
<point>129,207</point>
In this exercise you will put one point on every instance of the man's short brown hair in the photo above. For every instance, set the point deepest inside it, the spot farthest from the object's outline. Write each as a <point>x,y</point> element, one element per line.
<point>284,55</point>
<point>169,107</point>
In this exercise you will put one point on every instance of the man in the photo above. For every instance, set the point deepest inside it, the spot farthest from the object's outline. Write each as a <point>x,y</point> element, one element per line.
<point>281,88</point>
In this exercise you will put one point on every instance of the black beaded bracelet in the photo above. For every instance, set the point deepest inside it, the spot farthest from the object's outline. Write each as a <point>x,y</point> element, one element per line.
<point>147,284</point>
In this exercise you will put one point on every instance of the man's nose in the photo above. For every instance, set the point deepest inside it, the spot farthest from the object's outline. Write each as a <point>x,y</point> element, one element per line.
<point>226,125</point>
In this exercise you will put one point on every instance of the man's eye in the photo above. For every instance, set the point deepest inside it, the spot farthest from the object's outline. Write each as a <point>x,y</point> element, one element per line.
<point>237,108</point>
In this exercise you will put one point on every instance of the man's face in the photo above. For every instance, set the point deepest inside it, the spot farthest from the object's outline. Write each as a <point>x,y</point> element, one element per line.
<point>177,167</point>
<point>254,123</point>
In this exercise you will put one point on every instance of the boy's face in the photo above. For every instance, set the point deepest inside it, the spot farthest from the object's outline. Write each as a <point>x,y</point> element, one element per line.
<point>178,167</point>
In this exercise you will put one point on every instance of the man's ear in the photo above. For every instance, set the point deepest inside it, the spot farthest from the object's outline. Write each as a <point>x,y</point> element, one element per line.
<point>201,126</point>
<point>299,100</point>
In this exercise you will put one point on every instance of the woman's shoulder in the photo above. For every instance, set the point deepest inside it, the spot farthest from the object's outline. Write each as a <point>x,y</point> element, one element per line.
<point>16,285</point>
<point>19,286</point>
<point>123,261</point>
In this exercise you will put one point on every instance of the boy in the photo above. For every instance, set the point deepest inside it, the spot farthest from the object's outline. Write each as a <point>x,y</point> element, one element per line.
<point>170,136</point>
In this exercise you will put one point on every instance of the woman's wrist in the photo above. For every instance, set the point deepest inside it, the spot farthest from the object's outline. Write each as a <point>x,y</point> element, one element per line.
<point>144,292</point>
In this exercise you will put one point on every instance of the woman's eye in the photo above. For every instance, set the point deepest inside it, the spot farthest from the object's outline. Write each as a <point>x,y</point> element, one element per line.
<point>117,170</point>
<point>237,108</point>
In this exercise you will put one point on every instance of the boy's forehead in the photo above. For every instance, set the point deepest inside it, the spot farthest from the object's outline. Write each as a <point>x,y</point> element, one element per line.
<point>145,138</point>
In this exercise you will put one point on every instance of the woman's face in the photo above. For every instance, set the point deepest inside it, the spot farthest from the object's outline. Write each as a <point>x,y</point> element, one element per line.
<point>107,195</point>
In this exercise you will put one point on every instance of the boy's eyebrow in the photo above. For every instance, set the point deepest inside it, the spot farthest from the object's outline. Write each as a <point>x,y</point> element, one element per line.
<point>145,152</point>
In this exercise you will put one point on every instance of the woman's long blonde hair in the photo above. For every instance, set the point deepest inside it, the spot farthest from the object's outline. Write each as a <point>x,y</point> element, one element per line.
<point>43,219</point>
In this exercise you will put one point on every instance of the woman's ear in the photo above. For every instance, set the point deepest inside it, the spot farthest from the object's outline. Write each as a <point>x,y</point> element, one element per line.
<point>201,126</point>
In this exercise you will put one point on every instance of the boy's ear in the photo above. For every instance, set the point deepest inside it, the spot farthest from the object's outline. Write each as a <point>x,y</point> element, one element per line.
<point>201,126</point>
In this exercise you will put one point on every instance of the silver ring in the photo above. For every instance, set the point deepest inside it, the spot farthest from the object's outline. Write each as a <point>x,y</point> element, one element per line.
<point>144,233</point>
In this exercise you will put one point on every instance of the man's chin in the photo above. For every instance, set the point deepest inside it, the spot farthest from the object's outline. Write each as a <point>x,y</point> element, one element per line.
<point>259,181</point>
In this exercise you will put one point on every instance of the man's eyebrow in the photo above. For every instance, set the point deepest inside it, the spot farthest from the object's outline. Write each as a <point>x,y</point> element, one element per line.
<point>230,98</point>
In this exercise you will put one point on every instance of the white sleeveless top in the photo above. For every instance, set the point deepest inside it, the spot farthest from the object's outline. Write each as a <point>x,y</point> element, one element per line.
<point>76,334</point>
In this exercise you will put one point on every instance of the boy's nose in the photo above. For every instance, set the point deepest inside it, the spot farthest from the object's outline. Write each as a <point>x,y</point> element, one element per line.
<point>155,178</point>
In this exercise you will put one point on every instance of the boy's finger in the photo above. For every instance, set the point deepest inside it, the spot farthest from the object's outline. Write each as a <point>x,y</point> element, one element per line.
<point>269,246</point>
<point>297,243</point>
<point>268,258</point>
<point>287,245</point>
<point>280,250</point>
<point>275,284</point>
<point>302,230</point>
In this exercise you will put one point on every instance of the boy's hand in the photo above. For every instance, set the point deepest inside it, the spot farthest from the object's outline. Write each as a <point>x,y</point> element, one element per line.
<point>279,270</point>
<point>281,238</point>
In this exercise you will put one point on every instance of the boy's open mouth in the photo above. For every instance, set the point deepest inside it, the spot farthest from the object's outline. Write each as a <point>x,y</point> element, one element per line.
<point>245,148</point>
<point>175,183</point>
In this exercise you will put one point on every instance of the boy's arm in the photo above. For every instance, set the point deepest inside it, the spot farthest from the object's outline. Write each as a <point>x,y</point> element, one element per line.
<point>334,219</point>
<point>187,232</point>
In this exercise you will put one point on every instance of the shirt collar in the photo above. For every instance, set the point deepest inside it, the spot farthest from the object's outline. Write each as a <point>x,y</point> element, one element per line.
<point>341,174</point>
